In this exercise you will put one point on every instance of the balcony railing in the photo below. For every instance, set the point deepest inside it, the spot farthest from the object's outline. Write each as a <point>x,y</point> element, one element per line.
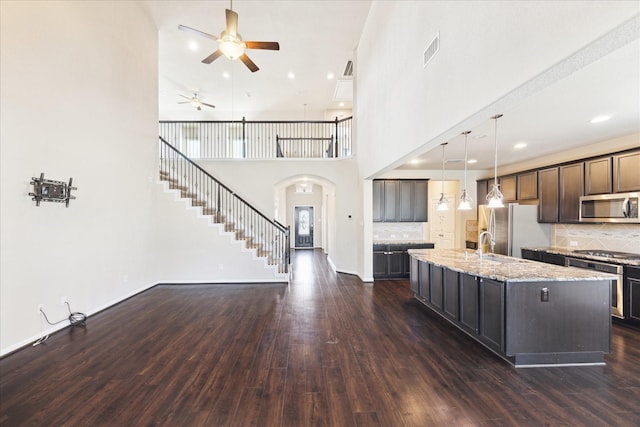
<point>244,139</point>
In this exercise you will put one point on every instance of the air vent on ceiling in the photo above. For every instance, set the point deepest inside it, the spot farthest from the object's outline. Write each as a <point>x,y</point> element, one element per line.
<point>431,50</point>
<point>348,70</point>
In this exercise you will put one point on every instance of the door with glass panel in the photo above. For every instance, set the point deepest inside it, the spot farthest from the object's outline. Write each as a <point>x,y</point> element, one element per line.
<point>303,226</point>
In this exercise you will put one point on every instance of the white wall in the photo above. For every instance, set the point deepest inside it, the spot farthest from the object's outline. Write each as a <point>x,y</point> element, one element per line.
<point>488,50</point>
<point>78,98</point>
<point>194,250</point>
<point>255,181</point>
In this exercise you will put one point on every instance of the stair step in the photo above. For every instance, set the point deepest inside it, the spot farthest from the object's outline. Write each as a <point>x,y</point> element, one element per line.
<point>196,202</point>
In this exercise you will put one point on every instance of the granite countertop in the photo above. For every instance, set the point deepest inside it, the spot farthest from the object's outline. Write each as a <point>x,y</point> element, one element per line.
<point>400,242</point>
<point>570,253</point>
<point>511,269</point>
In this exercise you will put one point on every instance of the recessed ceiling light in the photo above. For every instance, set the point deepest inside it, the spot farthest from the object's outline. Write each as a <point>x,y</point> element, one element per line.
<point>291,75</point>
<point>520,145</point>
<point>472,161</point>
<point>415,161</point>
<point>225,75</point>
<point>330,76</point>
<point>479,136</point>
<point>342,104</point>
<point>193,45</point>
<point>599,119</point>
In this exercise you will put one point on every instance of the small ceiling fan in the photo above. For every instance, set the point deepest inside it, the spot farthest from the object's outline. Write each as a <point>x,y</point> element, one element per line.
<point>196,102</point>
<point>230,43</point>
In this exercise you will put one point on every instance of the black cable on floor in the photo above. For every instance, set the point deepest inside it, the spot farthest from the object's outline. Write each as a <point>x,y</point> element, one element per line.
<point>75,318</point>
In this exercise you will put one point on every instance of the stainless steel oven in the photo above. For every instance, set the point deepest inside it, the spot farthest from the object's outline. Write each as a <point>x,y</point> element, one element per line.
<point>603,267</point>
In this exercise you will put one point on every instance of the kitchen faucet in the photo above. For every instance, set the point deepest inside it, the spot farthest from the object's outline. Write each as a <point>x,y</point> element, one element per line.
<point>492,242</point>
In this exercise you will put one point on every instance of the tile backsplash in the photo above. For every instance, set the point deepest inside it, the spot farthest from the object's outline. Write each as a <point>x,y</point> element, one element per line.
<point>612,237</point>
<point>399,230</point>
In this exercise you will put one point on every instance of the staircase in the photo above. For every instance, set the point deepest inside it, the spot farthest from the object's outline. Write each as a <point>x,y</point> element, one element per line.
<point>267,238</point>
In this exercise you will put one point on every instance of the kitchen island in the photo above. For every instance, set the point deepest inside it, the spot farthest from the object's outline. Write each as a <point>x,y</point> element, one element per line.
<point>529,313</point>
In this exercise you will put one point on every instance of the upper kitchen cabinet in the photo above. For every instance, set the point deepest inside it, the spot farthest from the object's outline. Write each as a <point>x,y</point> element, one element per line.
<point>378,197</point>
<point>548,195</point>
<point>597,176</point>
<point>527,185</point>
<point>482,191</point>
<point>626,172</point>
<point>571,188</point>
<point>508,187</point>
<point>400,200</point>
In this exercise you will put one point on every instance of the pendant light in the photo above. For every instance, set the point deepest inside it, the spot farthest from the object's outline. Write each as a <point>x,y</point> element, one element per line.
<point>495,197</point>
<point>465,200</point>
<point>443,203</point>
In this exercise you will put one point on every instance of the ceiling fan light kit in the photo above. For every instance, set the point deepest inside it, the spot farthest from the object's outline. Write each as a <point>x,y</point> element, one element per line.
<point>230,43</point>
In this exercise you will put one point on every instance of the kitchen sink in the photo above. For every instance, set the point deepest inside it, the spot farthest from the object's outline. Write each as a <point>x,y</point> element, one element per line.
<point>500,259</point>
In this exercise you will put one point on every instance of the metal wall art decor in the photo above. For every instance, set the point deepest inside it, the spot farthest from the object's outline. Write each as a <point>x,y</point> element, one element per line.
<point>51,191</point>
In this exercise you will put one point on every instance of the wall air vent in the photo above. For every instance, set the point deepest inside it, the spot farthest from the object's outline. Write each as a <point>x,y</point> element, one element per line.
<point>431,50</point>
<point>348,70</point>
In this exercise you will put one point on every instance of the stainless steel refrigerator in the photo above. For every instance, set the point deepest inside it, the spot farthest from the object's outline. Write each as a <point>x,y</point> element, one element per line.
<point>516,226</point>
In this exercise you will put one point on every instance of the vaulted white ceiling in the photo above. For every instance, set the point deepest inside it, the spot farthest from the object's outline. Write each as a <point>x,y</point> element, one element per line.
<point>318,37</point>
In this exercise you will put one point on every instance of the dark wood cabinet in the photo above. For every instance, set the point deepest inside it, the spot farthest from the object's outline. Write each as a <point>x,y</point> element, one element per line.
<point>631,292</point>
<point>451,303</point>
<point>531,255</point>
<point>598,176</point>
<point>508,187</point>
<point>378,198</point>
<point>400,200</point>
<point>551,258</point>
<point>492,313</point>
<point>392,261</point>
<point>626,172</point>
<point>482,191</point>
<point>469,302</point>
<point>437,286</point>
<point>548,195</point>
<point>424,272</point>
<point>414,276</point>
<point>527,184</point>
<point>421,200</point>
<point>391,201</point>
<point>571,188</point>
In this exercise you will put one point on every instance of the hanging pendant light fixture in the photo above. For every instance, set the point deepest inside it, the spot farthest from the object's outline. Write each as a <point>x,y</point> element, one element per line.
<point>443,203</point>
<point>465,200</point>
<point>495,197</point>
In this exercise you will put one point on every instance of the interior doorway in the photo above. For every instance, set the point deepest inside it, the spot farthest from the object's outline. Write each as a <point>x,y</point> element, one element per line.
<point>303,224</point>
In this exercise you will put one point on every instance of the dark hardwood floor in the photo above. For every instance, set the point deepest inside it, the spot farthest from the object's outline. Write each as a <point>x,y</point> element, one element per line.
<point>327,350</point>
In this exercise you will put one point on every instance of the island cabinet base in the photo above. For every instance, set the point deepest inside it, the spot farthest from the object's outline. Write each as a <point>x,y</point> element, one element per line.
<point>529,323</point>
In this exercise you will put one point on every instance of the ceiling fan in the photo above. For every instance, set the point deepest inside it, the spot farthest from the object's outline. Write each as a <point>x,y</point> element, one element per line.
<point>230,43</point>
<point>196,102</point>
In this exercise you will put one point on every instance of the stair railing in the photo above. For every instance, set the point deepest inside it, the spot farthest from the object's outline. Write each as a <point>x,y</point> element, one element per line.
<point>269,238</point>
<point>247,139</point>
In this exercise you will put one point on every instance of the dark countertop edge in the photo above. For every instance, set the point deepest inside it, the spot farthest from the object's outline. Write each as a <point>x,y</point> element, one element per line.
<point>570,253</point>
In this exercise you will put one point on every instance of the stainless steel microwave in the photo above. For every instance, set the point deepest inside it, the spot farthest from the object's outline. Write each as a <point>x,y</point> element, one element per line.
<point>622,207</point>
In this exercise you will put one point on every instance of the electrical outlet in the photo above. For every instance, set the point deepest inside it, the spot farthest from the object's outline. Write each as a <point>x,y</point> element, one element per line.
<point>40,308</point>
<point>64,300</point>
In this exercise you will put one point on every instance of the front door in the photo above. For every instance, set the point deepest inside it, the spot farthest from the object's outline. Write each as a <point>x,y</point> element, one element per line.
<point>303,226</point>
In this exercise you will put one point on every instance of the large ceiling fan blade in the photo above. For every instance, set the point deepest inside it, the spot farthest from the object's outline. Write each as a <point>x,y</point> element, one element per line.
<point>185,97</point>
<point>215,55</point>
<point>263,45</point>
<point>232,22</point>
<point>249,63</point>
<point>185,102</point>
<point>193,30</point>
<point>208,105</point>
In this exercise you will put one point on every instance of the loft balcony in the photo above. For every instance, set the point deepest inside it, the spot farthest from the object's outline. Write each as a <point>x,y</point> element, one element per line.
<point>246,139</point>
